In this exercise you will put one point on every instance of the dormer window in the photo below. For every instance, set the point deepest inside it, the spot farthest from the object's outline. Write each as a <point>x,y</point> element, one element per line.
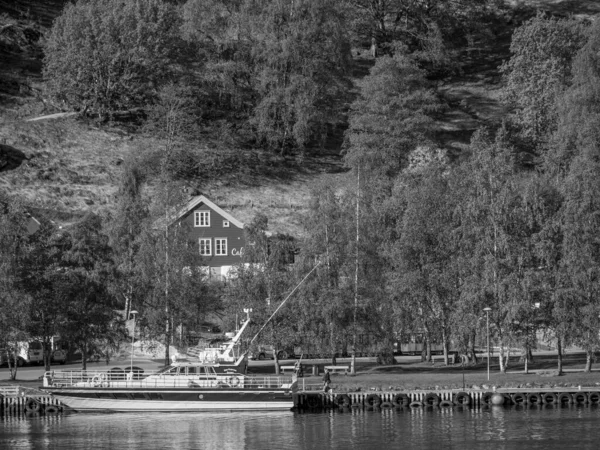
<point>226,224</point>
<point>202,219</point>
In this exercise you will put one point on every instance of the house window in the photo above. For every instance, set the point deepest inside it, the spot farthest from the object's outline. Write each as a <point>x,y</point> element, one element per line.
<point>205,247</point>
<point>221,247</point>
<point>226,224</point>
<point>202,219</point>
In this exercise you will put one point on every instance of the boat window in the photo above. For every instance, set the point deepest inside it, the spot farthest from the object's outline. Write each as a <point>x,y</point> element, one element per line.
<point>166,370</point>
<point>191,370</point>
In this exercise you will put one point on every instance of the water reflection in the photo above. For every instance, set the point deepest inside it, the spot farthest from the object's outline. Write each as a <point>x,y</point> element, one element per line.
<point>520,427</point>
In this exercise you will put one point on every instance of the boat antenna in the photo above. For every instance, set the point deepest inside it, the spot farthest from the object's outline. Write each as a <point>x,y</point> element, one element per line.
<point>283,302</point>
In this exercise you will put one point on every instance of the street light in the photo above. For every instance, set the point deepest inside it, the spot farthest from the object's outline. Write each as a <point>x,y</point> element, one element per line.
<point>487,320</point>
<point>133,313</point>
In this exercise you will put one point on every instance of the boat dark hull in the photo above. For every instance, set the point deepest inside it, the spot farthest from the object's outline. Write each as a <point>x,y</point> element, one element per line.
<point>172,399</point>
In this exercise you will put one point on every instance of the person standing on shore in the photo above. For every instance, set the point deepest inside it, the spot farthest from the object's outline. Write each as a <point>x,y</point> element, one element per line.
<point>326,380</point>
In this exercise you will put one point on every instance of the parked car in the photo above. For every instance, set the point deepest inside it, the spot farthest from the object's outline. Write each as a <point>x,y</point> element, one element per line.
<point>262,352</point>
<point>59,356</point>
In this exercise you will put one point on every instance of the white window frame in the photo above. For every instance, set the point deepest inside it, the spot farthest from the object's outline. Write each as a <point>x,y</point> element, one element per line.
<point>220,241</point>
<point>226,224</point>
<point>205,240</point>
<point>202,218</point>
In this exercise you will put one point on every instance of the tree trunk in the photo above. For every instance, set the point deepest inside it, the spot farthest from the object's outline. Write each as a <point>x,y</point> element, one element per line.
<point>84,357</point>
<point>47,353</point>
<point>445,346</point>
<point>559,355</point>
<point>501,358</point>
<point>471,347</point>
<point>589,355</point>
<point>168,342</point>
<point>276,360</point>
<point>428,349</point>
<point>13,365</point>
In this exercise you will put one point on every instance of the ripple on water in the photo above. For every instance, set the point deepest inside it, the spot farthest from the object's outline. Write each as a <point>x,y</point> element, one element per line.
<point>447,428</point>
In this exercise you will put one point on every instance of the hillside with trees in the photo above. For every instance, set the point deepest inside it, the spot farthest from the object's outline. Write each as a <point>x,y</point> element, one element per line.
<point>430,159</point>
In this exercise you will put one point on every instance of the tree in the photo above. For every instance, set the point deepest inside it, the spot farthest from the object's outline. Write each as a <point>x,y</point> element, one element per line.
<point>581,255</point>
<point>432,29</point>
<point>175,294</point>
<point>326,313</point>
<point>220,30</point>
<point>108,55</point>
<point>424,275</point>
<point>81,285</point>
<point>539,72</point>
<point>14,245</point>
<point>124,227</point>
<point>390,119</point>
<point>281,64</point>
<point>577,108</point>
<point>495,238</point>
<point>572,167</point>
<point>261,282</point>
<point>39,275</point>
<point>301,55</point>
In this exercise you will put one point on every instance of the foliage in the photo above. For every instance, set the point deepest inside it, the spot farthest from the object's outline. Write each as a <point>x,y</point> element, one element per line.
<point>260,282</point>
<point>539,71</point>
<point>328,327</point>
<point>281,65</point>
<point>124,227</point>
<point>103,56</point>
<point>577,108</point>
<point>14,243</point>
<point>175,289</point>
<point>301,57</point>
<point>431,29</point>
<point>390,119</point>
<point>221,34</point>
<point>496,237</point>
<point>424,277</point>
<point>81,284</point>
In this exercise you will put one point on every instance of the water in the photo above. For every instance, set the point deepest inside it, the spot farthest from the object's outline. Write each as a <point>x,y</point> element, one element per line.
<point>545,428</point>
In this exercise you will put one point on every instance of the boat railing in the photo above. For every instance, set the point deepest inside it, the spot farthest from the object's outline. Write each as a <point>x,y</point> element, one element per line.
<point>158,379</point>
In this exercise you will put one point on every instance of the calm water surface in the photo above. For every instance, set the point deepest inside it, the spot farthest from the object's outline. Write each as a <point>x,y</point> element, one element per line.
<point>546,428</point>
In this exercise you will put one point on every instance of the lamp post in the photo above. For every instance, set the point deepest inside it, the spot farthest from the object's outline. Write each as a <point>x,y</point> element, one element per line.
<point>487,321</point>
<point>133,313</point>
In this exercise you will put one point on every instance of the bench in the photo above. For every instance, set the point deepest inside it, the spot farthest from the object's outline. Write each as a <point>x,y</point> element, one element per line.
<point>286,368</point>
<point>451,358</point>
<point>338,369</point>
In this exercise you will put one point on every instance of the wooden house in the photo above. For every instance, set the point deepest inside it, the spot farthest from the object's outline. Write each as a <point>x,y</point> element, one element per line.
<point>218,235</point>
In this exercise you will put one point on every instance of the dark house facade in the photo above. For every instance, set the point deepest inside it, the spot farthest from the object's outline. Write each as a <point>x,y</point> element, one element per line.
<point>218,235</point>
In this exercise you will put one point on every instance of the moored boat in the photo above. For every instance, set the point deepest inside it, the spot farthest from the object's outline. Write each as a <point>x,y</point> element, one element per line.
<point>182,386</point>
<point>216,381</point>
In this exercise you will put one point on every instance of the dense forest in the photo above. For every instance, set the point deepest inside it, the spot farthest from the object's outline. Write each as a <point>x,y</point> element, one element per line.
<point>414,239</point>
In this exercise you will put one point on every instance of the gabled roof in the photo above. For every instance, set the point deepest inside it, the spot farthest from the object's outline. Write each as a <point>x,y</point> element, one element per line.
<point>202,199</point>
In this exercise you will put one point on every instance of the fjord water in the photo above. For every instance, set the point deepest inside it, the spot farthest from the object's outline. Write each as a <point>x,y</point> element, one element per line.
<point>546,428</point>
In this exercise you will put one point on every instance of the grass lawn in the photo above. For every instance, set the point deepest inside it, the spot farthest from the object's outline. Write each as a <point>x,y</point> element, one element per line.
<point>408,374</point>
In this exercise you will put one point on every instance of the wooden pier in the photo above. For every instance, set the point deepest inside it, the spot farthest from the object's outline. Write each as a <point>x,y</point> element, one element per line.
<point>448,398</point>
<point>16,400</point>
